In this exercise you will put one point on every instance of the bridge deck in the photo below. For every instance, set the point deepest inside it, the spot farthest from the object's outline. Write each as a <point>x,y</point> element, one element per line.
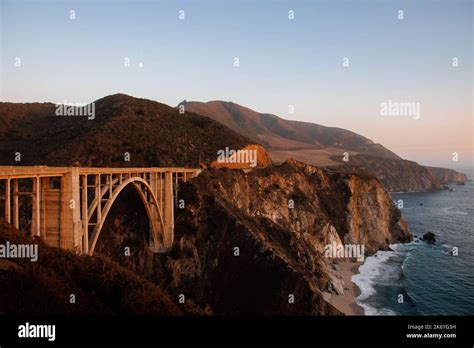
<point>42,171</point>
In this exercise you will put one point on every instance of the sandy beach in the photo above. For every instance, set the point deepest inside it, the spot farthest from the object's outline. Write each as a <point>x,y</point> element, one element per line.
<point>346,303</point>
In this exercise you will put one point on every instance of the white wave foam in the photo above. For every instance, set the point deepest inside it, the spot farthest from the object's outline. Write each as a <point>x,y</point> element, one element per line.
<point>369,310</point>
<point>371,272</point>
<point>396,246</point>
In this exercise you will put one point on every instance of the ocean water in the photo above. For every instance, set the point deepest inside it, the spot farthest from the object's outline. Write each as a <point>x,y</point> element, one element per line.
<point>430,279</point>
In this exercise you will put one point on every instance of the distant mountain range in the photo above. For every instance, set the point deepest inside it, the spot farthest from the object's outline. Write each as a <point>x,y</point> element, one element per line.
<point>336,148</point>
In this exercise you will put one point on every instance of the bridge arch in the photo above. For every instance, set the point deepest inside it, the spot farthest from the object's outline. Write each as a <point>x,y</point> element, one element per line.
<point>150,202</point>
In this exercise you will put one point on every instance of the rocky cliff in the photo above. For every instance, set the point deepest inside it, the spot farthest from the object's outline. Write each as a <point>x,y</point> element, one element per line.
<point>250,156</point>
<point>245,242</point>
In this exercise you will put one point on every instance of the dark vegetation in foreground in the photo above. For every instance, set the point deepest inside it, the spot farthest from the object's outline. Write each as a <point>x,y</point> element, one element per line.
<point>100,286</point>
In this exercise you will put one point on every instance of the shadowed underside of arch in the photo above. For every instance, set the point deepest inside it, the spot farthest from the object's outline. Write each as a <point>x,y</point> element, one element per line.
<point>158,241</point>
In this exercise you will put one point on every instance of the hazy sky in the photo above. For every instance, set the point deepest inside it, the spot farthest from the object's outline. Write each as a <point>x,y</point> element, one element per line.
<point>283,62</point>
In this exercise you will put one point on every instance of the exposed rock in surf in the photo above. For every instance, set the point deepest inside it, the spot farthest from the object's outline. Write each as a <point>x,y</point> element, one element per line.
<point>429,237</point>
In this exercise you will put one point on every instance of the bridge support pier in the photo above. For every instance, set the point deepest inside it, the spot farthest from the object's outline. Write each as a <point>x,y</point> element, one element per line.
<point>16,205</point>
<point>168,210</point>
<point>84,216</point>
<point>7,202</point>
<point>36,213</point>
<point>70,233</point>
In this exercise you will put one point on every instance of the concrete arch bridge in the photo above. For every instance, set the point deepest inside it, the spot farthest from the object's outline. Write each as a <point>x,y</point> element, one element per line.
<point>69,205</point>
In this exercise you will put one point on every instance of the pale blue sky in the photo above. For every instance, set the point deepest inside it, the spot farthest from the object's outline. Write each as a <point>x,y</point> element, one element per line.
<point>282,62</point>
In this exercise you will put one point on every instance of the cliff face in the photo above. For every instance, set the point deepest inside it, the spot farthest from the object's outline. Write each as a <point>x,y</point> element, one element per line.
<point>250,156</point>
<point>447,175</point>
<point>241,249</point>
<point>396,175</point>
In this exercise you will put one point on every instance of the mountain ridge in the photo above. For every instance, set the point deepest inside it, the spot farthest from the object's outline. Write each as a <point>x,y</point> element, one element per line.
<point>326,147</point>
<point>278,133</point>
<point>151,133</point>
